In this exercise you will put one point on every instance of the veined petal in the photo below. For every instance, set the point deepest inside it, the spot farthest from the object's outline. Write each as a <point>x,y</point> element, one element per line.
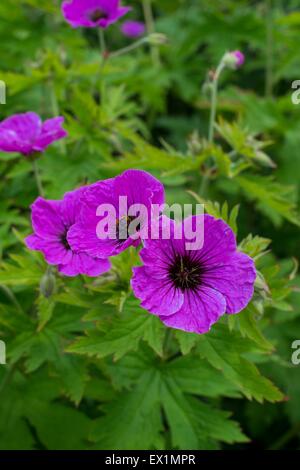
<point>51,131</point>
<point>157,295</point>
<point>81,263</point>
<point>200,310</point>
<point>19,132</point>
<point>234,279</point>
<point>53,251</point>
<point>46,220</point>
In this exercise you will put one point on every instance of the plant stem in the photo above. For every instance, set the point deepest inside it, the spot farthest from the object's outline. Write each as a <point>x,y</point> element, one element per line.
<point>212,119</point>
<point>150,25</point>
<point>214,102</point>
<point>54,103</point>
<point>104,56</point>
<point>102,41</point>
<point>37,178</point>
<point>130,48</point>
<point>204,185</point>
<point>269,50</point>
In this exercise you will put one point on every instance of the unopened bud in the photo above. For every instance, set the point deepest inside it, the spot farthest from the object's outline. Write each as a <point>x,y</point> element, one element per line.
<point>157,39</point>
<point>264,160</point>
<point>48,284</point>
<point>194,143</point>
<point>234,60</point>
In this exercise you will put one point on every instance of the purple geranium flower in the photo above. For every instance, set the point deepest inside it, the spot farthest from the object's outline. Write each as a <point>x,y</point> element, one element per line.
<point>191,289</point>
<point>93,13</point>
<point>51,221</point>
<point>140,189</point>
<point>133,29</point>
<point>26,134</point>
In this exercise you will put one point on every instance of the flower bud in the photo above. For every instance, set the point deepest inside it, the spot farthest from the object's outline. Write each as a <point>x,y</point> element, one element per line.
<point>194,143</point>
<point>48,284</point>
<point>157,39</point>
<point>234,60</point>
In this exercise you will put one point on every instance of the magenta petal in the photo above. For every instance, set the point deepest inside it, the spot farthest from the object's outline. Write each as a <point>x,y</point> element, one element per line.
<point>46,220</point>
<point>76,12</point>
<point>240,58</point>
<point>70,206</point>
<point>109,5</point>
<point>95,195</point>
<point>25,133</point>
<point>139,187</point>
<point>133,29</point>
<point>51,131</point>
<point>81,263</point>
<point>157,295</point>
<point>19,132</point>
<point>54,252</point>
<point>10,142</point>
<point>219,241</point>
<point>92,13</point>
<point>116,15</point>
<point>27,125</point>
<point>213,279</point>
<point>84,239</point>
<point>199,312</point>
<point>51,221</point>
<point>235,280</point>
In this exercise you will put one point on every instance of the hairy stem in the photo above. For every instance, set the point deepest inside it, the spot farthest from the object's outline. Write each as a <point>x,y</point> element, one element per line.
<point>37,178</point>
<point>127,49</point>
<point>214,102</point>
<point>150,25</point>
<point>102,42</point>
<point>212,120</point>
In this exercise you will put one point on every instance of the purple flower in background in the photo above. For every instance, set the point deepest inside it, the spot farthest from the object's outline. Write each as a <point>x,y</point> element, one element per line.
<point>140,189</point>
<point>26,134</point>
<point>93,13</point>
<point>191,289</point>
<point>234,59</point>
<point>51,221</point>
<point>133,29</point>
<point>240,58</point>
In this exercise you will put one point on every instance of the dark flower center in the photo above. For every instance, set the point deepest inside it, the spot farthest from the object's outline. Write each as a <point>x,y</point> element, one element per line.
<point>98,14</point>
<point>124,230</point>
<point>64,240</point>
<point>186,273</point>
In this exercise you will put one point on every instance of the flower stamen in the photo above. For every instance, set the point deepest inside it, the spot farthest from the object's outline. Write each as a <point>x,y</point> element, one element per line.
<point>97,15</point>
<point>123,229</point>
<point>185,273</point>
<point>64,240</point>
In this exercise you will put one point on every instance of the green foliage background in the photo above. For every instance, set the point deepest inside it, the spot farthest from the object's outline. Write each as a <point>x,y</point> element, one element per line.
<point>87,368</point>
